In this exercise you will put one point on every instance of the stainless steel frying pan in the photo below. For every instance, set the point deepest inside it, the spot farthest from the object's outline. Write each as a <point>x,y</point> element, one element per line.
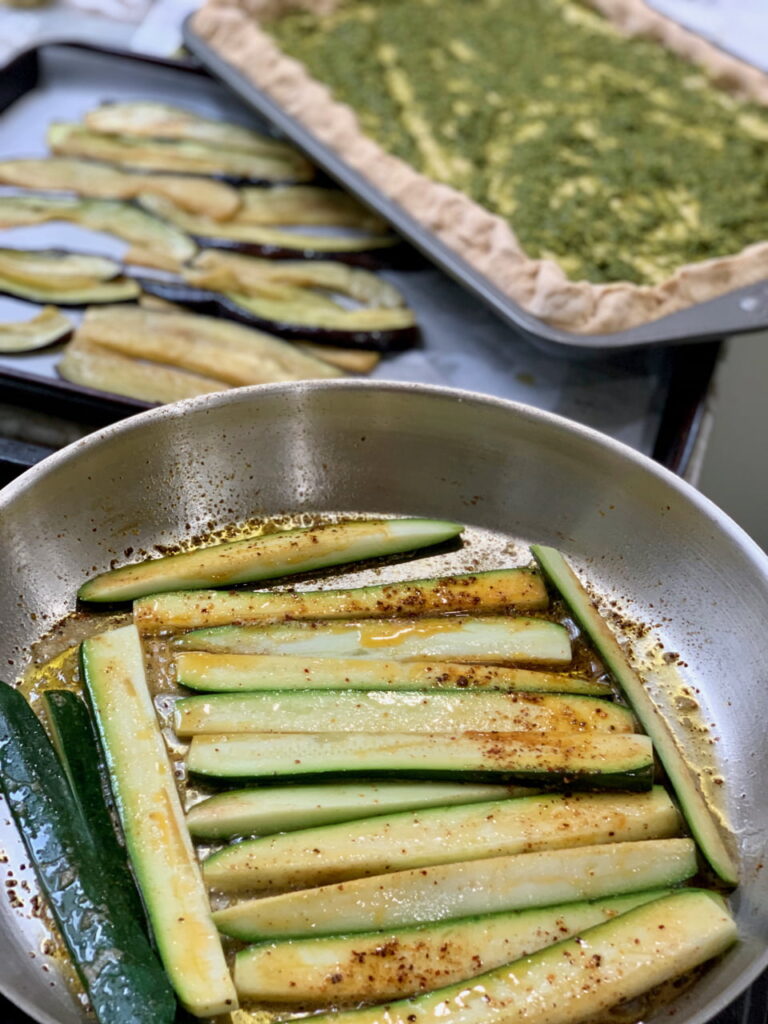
<point>512,474</point>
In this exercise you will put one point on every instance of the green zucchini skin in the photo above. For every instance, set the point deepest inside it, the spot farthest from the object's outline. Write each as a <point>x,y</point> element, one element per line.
<point>578,760</point>
<point>439,835</point>
<point>269,809</point>
<point>118,968</point>
<point>77,746</point>
<point>381,711</point>
<point>463,889</point>
<point>482,593</point>
<point>375,966</point>
<point>147,800</point>
<point>226,673</point>
<point>579,978</point>
<point>495,639</point>
<point>698,815</point>
<point>283,553</point>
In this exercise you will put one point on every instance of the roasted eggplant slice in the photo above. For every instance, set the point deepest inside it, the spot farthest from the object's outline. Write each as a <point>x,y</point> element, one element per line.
<point>64,278</point>
<point>151,120</point>
<point>56,267</point>
<point>276,279</point>
<point>92,366</point>
<point>305,204</point>
<point>249,236</point>
<point>154,242</point>
<point>88,178</point>
<point>48,327</point>
<point>181,157</point>
<point>237,355</point>
<point>308,320</point>
<point>350,359</point>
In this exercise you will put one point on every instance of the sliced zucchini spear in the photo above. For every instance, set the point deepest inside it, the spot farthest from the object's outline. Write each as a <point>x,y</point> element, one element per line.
<point>578,760</point>
<point>698,815</point>
<point>153,822</point>
<point>304,317</point>
<point>393,964</point>
<point>233,272</point>
<point>64,278</point>
<point>248,812</point>
<point>235,354</point>
<point>179,155</point>
<point>396,842</point>
<point>93,366</point>
<point>447,891</point>
<point>493,639</point>
<point>153,120</point>
<point>216,199</point>
<point>577,979</point>
<point>498,590</point>
<point>45,328</point>
<point>283,553</point>
<point>108,946</point>
<point>200,670</point>
<point>382,711</point>
<point>154,242</point>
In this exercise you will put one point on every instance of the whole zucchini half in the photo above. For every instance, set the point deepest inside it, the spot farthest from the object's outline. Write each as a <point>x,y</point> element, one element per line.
<point>308,323</point>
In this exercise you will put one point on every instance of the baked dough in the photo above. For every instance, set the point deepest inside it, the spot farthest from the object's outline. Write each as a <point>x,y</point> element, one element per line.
<point>485,241</point>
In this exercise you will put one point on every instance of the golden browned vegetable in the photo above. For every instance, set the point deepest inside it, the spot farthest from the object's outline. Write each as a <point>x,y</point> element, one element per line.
<point>46,328</point>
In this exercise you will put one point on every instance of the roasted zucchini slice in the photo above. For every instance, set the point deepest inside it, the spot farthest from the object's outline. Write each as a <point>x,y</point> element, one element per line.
<point>95,367</point>
<point>153,120</point>
<point>277,279</point>
<point>180,156</point>
<point>153,242</point>
<point>235,354</point>
<point>48,327</point>
<point>216,199</point>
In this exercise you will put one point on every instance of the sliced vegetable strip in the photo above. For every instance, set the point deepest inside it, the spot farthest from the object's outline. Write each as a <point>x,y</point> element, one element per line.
<point>580,760</point>
<point>455,638</point>
<point>392,964</point>
<point>153,822</point>
<point>45,328</point>
<point>483,592</point>
<point>382,711</point>
<point>439,835</point>
<point>119,971</point>
<point>283,553</point>
<point>697,813</point>
<point>245,812</point>
<point>201,670</point>
<point>574,980</point>
<point>101,181</point>
<point>77,745</point>
<point>460,890</point>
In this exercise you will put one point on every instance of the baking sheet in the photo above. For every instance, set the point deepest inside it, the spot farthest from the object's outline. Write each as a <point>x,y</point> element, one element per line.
<point>465,345</point>
<point>740,311</point>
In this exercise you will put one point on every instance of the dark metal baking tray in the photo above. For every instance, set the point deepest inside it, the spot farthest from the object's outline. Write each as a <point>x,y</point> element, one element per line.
<point>651,399</point>
<point>741,311</point>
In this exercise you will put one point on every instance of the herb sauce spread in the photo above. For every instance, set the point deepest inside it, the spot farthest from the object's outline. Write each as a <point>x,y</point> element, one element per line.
<point>610,155</point>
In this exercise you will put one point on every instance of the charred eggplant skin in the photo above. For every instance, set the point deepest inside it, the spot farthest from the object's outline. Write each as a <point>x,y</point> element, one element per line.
<point>214,304</point>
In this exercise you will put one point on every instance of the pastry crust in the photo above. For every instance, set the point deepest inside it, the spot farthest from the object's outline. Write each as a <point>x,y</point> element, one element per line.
<point>484,240</point>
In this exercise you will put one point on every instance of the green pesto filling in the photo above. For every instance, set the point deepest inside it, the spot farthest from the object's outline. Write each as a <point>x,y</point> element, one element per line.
<point>610,155</point>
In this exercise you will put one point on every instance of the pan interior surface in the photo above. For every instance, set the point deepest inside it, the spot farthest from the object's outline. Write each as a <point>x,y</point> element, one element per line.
<point>513,475</point>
